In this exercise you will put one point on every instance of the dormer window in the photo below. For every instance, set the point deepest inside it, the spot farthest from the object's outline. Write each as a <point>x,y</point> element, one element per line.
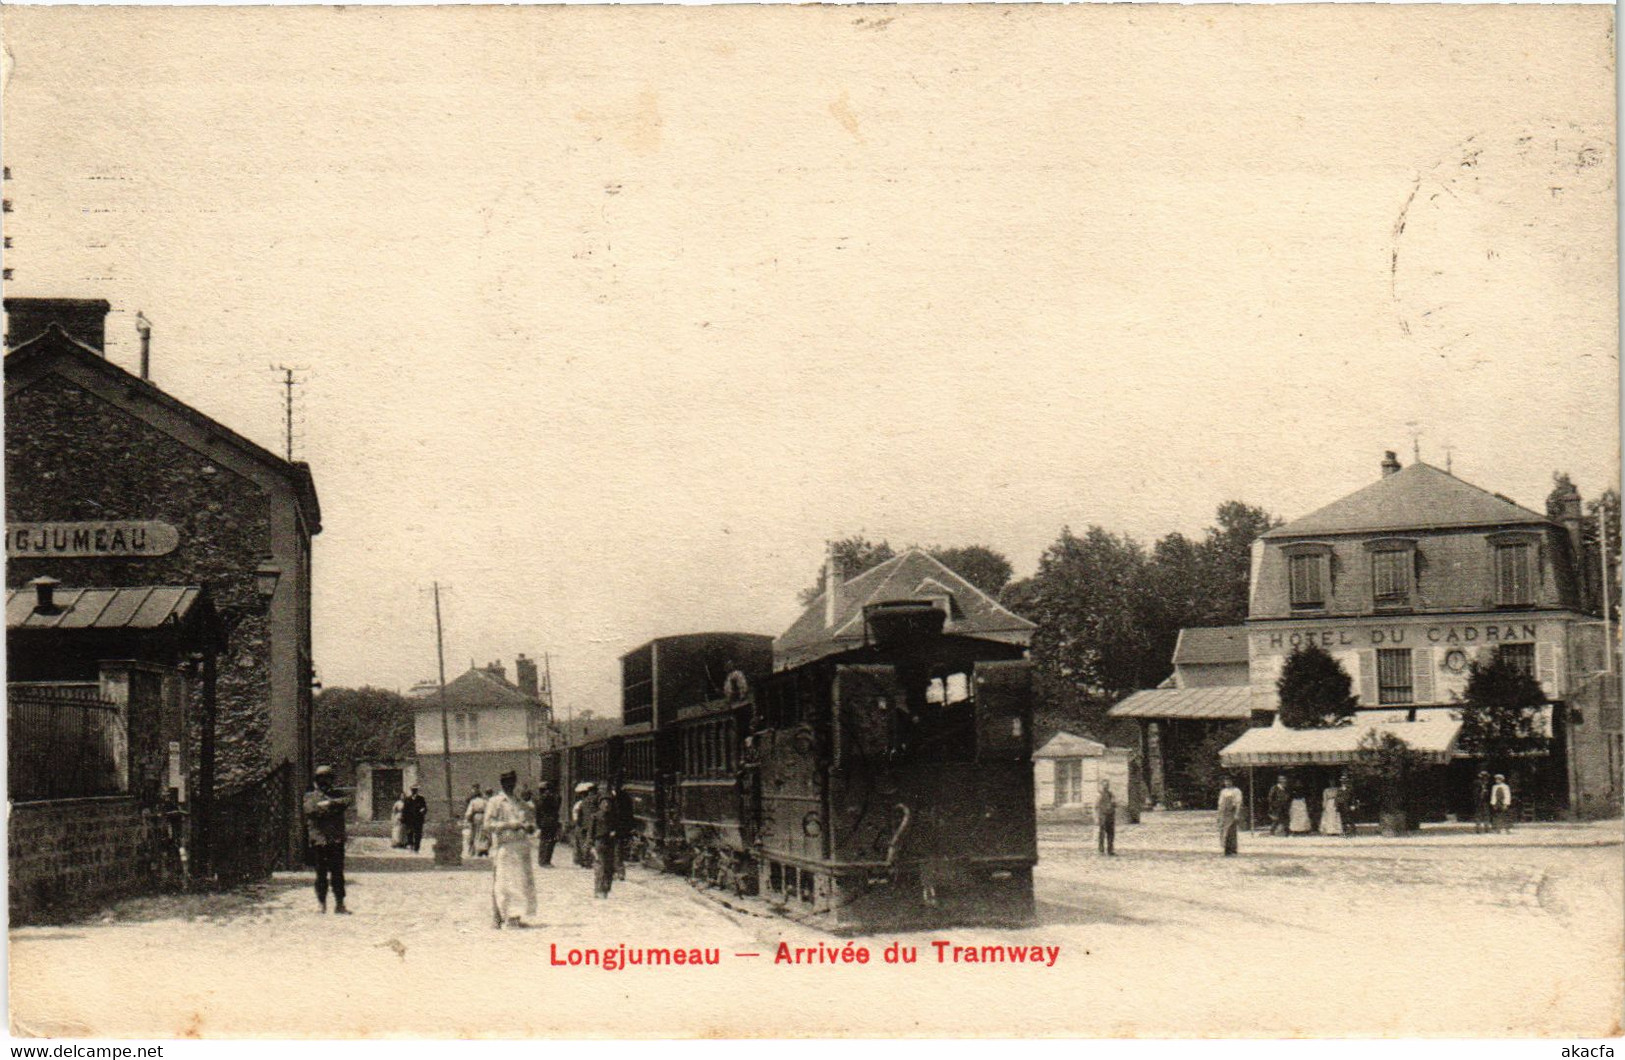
<point>1513,586</point>
<point>1515,558</point>
<point>1309,576</point>
<point>1393,572</point>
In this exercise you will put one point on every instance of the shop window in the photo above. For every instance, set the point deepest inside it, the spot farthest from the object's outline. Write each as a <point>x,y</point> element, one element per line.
<point>1514,585</point>
<point>1521,656</point>
<point>1069,782</point>
<point>1308,577</point>
<point>1394,684</point>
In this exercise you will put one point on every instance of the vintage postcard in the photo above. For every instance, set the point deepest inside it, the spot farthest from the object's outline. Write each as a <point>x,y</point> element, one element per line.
<point>765,521</point>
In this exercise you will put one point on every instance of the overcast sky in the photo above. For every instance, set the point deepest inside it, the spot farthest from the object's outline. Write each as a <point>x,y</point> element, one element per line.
<point>612,317</point>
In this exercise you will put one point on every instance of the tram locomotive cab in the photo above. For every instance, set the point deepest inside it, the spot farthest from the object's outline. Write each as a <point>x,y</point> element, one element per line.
<point>893,782</point>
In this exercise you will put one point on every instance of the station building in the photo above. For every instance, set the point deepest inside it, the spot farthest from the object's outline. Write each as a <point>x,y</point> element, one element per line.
<point>145,518</point>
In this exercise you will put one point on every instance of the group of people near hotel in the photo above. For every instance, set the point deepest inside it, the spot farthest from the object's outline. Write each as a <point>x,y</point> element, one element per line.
<point>501,825</point>
<point>1291,813</point>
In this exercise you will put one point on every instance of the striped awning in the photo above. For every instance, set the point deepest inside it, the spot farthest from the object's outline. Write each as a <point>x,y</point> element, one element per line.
<point>1433,735</point>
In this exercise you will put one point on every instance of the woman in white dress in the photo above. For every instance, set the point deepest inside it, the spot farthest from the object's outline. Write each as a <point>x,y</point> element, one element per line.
<point>1298,822</point>
<point>1331,821</point>
<point>397,827</point>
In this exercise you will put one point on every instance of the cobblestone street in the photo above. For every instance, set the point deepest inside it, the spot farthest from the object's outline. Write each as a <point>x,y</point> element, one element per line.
<point>1443,933</point>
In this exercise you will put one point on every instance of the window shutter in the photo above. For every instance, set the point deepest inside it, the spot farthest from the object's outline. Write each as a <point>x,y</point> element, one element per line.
<point>1546,668</point>
<point>1422,675</point>
<point>1046,771</point>
<point>1368,678</point>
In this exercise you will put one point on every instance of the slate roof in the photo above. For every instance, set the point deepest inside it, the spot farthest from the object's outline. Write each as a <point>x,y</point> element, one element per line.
<point>1211,645</point>
<point>54,343</point>
<point>913,575</point>
<point>478,687</point>
<point>1221,703</point>
<point>1418,497</point>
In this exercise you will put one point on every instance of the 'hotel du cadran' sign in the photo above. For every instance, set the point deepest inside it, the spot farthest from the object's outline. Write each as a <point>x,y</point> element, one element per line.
<point>128,538</point>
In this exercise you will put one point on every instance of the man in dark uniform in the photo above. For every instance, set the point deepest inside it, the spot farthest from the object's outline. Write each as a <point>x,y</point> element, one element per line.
<point>625,824</point>
<point>417,811</point>
<point>605,834</point>
<point>1279,800</point>
<point>324,815</point>
<point>547,824</point>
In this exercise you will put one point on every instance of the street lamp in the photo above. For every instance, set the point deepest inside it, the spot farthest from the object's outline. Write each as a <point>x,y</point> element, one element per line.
<point>266,576</point>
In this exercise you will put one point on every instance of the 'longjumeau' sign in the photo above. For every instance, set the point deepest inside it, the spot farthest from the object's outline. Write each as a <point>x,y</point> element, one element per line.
<point>84,540</point>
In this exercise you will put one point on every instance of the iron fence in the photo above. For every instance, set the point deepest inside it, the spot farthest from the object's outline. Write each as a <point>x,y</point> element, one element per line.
<point>249,828</point>
<point>63,742</point>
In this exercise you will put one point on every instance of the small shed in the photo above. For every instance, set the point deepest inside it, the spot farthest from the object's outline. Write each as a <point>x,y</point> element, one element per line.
<point>1067,772</point>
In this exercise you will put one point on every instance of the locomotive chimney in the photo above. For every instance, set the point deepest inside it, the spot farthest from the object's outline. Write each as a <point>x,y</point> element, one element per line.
<point>832,584</point>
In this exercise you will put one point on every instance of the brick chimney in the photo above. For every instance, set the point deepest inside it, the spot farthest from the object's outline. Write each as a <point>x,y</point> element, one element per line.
<point>525,677</point>
<point>1390,463</point>
<point>1565,502</point>
<point>832,585</point>
<point>496,669</point>
<point>83,318</point>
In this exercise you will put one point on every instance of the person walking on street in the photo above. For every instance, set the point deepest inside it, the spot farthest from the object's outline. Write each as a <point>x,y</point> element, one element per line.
<point>513,882</point>
<point>1279,799</point>
<point>324,818</point>
<point>468,819</point>
<point>581,812</point>
<point>1106,820</point>
<point>547,824</point>
<point>605,835</point>
<point>1500,805</point>
<point>1229,815</point>
<point>1481,801</point>
<point>417,811</point>
<point>625,826</point>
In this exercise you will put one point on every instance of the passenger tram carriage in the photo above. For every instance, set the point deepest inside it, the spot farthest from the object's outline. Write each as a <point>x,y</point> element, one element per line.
<point>887,785</point>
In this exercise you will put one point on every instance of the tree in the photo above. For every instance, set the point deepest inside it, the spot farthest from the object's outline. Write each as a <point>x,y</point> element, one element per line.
<point>1086,602</point>
<point>1227,558</point>
<point>855,555</point>
<point>1385,767</point>
<point>983,567</point>
<point>1500,711</point>
<point>1315,690</point>
<point>364,724</point>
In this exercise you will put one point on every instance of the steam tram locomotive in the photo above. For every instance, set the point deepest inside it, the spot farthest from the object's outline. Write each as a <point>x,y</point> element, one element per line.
<point>885,785</point>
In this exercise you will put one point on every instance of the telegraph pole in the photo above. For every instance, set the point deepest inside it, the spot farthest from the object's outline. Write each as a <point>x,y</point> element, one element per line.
<point>447,850</point>
<point>288,383</point>
<point>1607,621</point>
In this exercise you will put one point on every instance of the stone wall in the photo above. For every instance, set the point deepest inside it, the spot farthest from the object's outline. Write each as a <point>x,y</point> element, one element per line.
<point>81,850</point>
<point>72,456</point>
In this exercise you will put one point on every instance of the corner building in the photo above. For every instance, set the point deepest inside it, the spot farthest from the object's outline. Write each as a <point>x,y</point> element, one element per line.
<point>1408,581</point>
<point>112,483</point>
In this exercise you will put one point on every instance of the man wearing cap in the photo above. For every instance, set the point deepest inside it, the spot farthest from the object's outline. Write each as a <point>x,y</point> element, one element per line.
<point>513,882</point>
<point>324,816</point>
